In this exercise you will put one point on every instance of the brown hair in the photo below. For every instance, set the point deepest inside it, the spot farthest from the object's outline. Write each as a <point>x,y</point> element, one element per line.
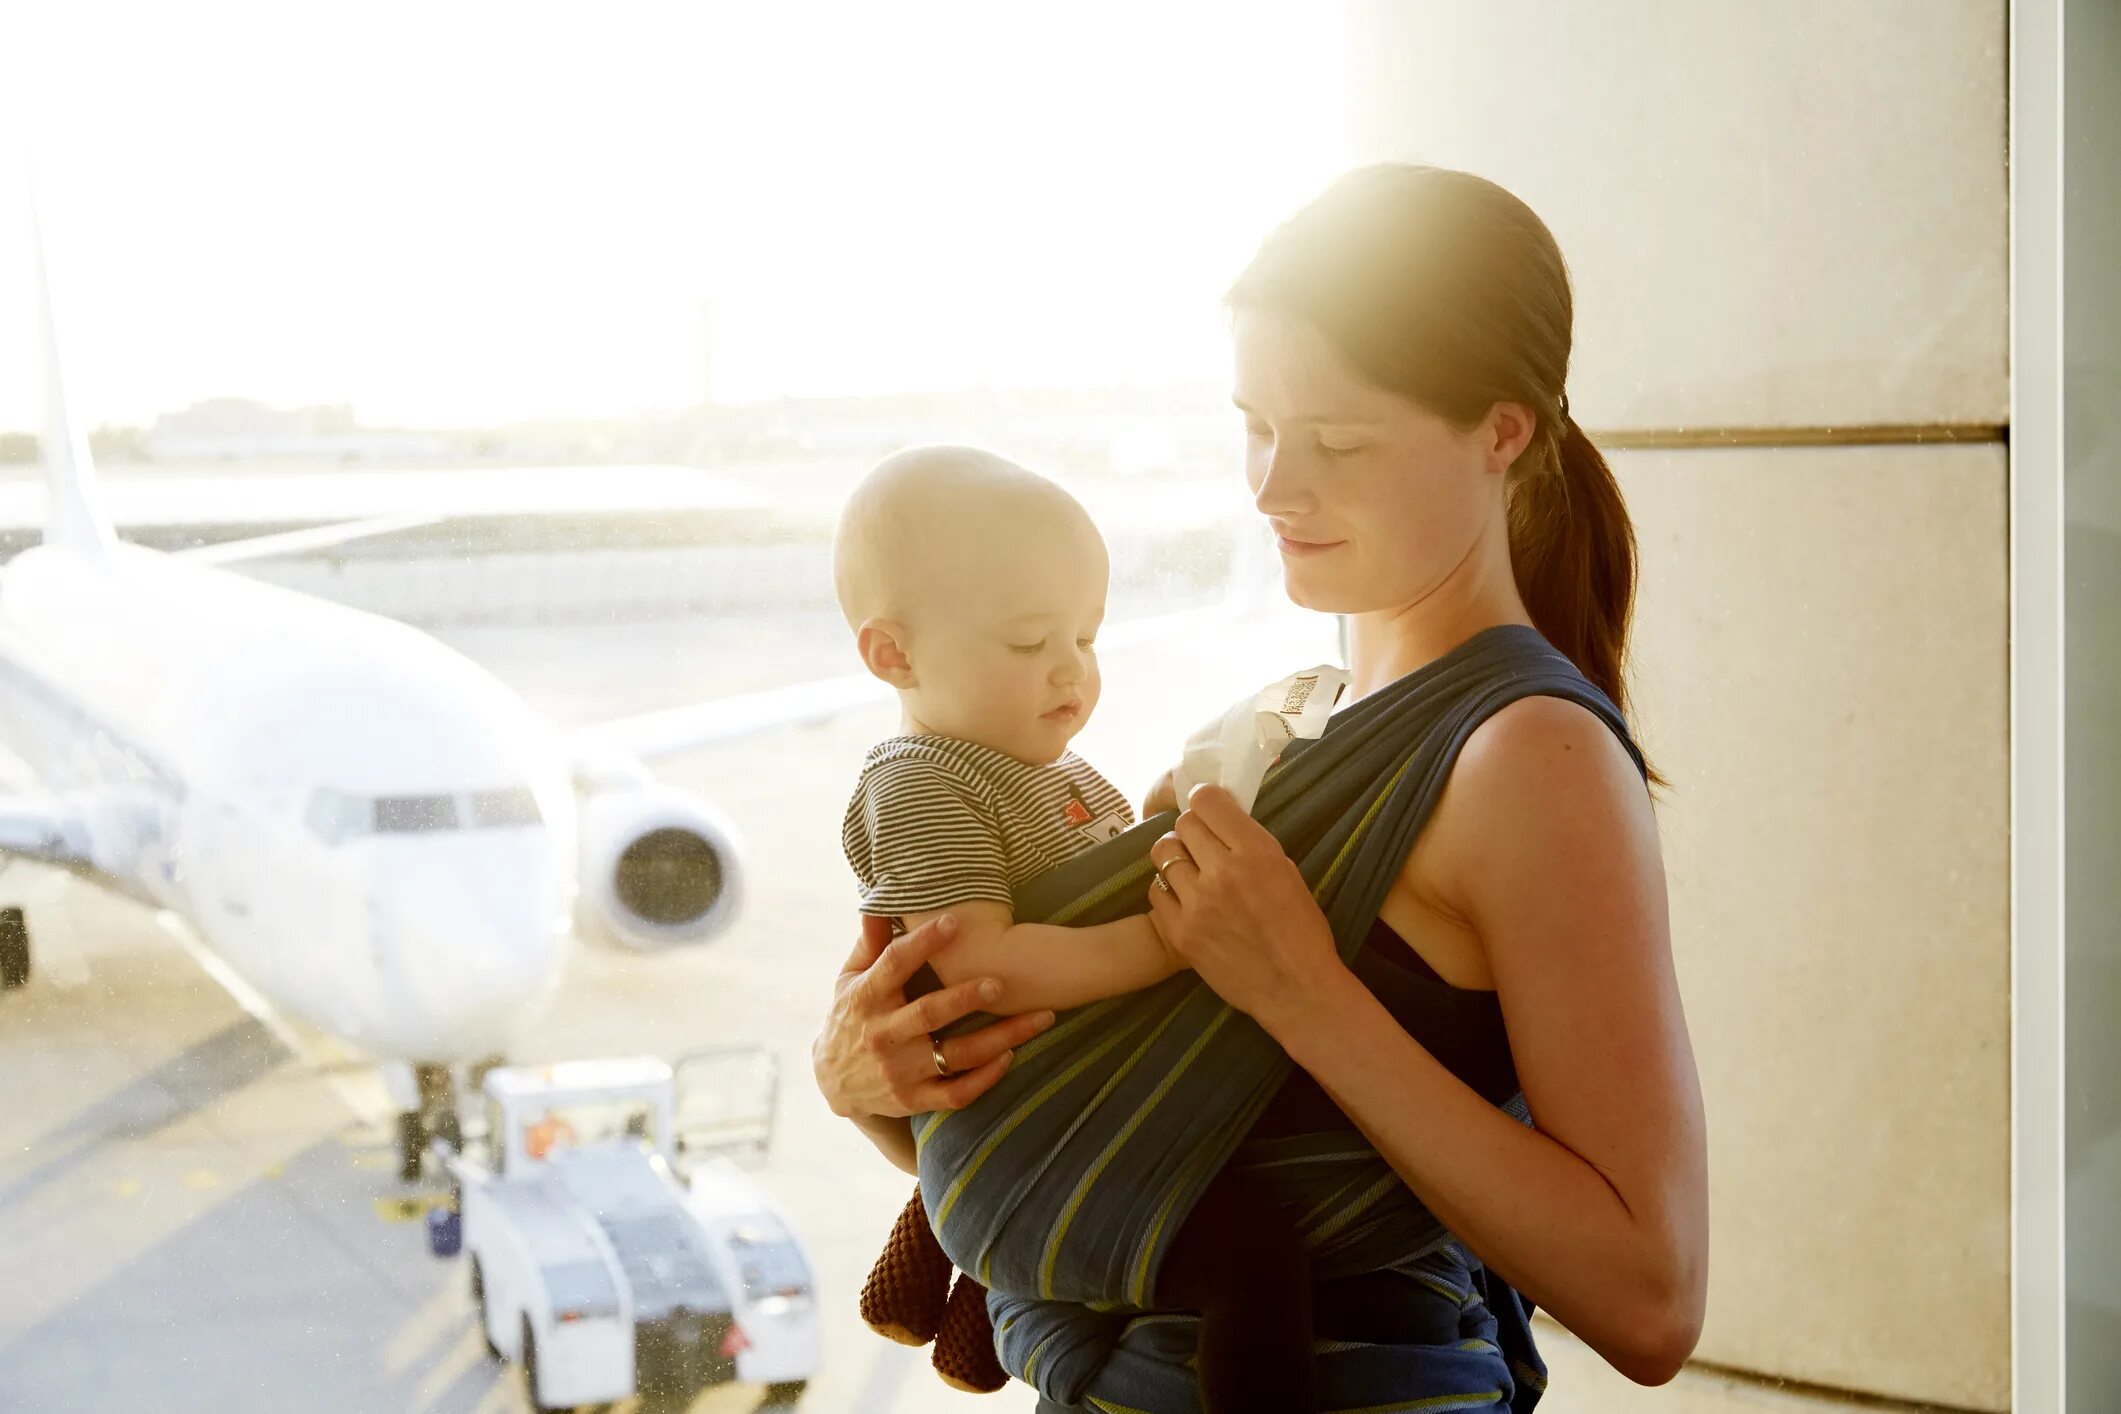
<point>1445,289</point>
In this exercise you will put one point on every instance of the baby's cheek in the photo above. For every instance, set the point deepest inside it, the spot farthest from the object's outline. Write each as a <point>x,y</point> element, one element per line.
<point>1011,691</point>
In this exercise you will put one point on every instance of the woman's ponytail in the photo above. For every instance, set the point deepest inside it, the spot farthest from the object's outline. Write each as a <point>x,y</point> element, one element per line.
<point>1572,547</point>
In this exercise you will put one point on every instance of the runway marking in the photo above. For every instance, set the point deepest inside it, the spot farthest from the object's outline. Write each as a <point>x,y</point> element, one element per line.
<point>468,1351</point>
<point>424,1327</point>
<point>409,1208</point>
<point>500,1398</point>
<point>325,1056</point>
<point>38,1218</point>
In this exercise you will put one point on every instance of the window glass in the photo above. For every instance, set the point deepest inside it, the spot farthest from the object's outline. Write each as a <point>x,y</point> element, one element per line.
<point>333,815</point>
<point>493,808</point>
<point>410,814</point>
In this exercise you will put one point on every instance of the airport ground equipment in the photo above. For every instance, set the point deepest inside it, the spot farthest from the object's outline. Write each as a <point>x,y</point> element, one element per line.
<point>616,1244</point>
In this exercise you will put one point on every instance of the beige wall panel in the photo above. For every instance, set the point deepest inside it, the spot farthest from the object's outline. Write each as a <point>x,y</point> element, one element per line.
<point>1788,214</point>
<point>1820,671</point>
<point>1579,1382</point>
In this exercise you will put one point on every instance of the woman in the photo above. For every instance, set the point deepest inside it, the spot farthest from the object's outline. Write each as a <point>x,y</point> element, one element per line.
<point>1402,346</point>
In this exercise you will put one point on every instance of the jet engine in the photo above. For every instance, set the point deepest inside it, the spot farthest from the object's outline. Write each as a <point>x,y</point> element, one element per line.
<point>659,869</point>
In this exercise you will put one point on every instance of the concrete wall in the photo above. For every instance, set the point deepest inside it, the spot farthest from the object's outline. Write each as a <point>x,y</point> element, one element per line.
<point>1790,221</point>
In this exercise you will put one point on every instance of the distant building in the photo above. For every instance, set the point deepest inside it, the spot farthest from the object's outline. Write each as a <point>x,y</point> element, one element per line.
<point>241,430</point>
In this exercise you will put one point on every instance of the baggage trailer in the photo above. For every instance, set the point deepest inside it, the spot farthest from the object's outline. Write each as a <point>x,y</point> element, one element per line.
<point>615,1244</point>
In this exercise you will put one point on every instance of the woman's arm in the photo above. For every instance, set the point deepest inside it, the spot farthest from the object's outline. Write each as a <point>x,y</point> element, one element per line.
<point>1601,1214</point>
<point>1546,834</point>
<point>893,1139</point>
<point>1052,968</point>
<point>872,1059</point>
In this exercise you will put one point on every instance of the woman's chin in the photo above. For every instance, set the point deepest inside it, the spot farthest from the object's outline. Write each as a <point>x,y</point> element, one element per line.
<point>1314,592</point>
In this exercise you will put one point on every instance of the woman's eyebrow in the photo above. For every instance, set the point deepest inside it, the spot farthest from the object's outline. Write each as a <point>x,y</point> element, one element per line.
<point>1332,419</point>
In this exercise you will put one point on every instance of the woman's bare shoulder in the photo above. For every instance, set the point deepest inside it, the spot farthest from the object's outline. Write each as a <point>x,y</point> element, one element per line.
<point>1542,781</point>
<point>1537,733</point>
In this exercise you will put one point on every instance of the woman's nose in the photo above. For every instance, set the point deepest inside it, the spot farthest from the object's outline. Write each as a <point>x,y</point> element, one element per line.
<point>1277,486</point>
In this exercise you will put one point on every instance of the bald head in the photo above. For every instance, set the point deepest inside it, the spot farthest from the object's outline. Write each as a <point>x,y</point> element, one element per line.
<point>932,528</point>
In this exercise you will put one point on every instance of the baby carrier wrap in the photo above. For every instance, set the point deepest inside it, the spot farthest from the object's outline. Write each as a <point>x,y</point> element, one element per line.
<point>1062,1187</point>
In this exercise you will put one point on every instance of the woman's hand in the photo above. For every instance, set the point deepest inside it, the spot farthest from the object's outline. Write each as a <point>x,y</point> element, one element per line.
<point>1235,908</point>
<point>873,1056</point>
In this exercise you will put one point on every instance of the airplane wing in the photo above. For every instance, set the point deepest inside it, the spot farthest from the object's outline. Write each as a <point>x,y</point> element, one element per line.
<point>45,829</point>
<point>316,537</point>
<point>675,729</point>
<point>720,719</point>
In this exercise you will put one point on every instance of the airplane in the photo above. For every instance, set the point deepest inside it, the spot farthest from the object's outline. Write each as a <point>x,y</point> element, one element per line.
<point>337,813</point>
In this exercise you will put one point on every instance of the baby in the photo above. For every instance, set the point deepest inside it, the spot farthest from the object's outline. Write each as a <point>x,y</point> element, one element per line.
<point>976,588</point>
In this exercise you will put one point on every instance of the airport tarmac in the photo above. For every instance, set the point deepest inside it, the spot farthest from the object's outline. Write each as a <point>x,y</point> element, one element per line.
<point>196,1214</point>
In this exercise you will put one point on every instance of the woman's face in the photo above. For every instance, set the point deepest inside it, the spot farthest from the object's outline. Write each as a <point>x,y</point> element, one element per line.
<point>1374,500</point>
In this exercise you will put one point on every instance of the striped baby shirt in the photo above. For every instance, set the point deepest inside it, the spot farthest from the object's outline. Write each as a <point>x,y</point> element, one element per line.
<point>937,820</point>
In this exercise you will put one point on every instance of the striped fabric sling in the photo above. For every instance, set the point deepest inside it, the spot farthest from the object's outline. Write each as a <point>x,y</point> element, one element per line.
<point>1062,1187</point>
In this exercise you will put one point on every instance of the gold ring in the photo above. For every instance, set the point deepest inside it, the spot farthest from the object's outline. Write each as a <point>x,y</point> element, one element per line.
<point>935,1048</point>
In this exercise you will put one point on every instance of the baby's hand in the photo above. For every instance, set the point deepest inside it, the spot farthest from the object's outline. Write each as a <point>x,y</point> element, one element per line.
<point>1163,795</point>
<point>1178,964</point>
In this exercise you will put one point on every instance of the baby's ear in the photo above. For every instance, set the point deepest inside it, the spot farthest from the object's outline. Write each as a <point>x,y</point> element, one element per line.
<point>882,644</point>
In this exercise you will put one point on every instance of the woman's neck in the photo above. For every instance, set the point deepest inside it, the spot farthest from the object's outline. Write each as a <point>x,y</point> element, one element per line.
<point>1479,592</point>
<point>1383,645</point>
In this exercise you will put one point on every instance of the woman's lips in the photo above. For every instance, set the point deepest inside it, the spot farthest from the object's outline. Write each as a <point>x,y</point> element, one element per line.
<point>1304,547</point>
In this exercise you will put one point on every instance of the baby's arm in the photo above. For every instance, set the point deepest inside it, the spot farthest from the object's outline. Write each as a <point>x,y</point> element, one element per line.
<point>1045,967</point>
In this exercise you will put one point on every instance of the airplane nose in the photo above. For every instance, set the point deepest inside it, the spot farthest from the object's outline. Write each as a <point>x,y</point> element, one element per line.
<point>472,965</point>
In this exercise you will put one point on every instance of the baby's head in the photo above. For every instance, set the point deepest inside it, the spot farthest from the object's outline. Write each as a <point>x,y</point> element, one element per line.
<point>975,588</point>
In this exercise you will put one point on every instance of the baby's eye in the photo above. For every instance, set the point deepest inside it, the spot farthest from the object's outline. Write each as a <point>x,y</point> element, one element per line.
<point>1027,648</point>
<point>1086,642</point>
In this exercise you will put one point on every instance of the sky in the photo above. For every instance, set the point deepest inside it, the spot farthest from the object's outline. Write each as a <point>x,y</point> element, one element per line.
<point>450,215</point>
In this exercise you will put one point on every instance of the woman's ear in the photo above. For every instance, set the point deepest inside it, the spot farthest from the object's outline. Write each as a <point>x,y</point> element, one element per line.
<point>883,644</point>
<point>1511,427</point>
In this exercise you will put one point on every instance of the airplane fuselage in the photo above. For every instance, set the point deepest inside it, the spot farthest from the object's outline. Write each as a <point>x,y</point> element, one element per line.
<point>369,829</point>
